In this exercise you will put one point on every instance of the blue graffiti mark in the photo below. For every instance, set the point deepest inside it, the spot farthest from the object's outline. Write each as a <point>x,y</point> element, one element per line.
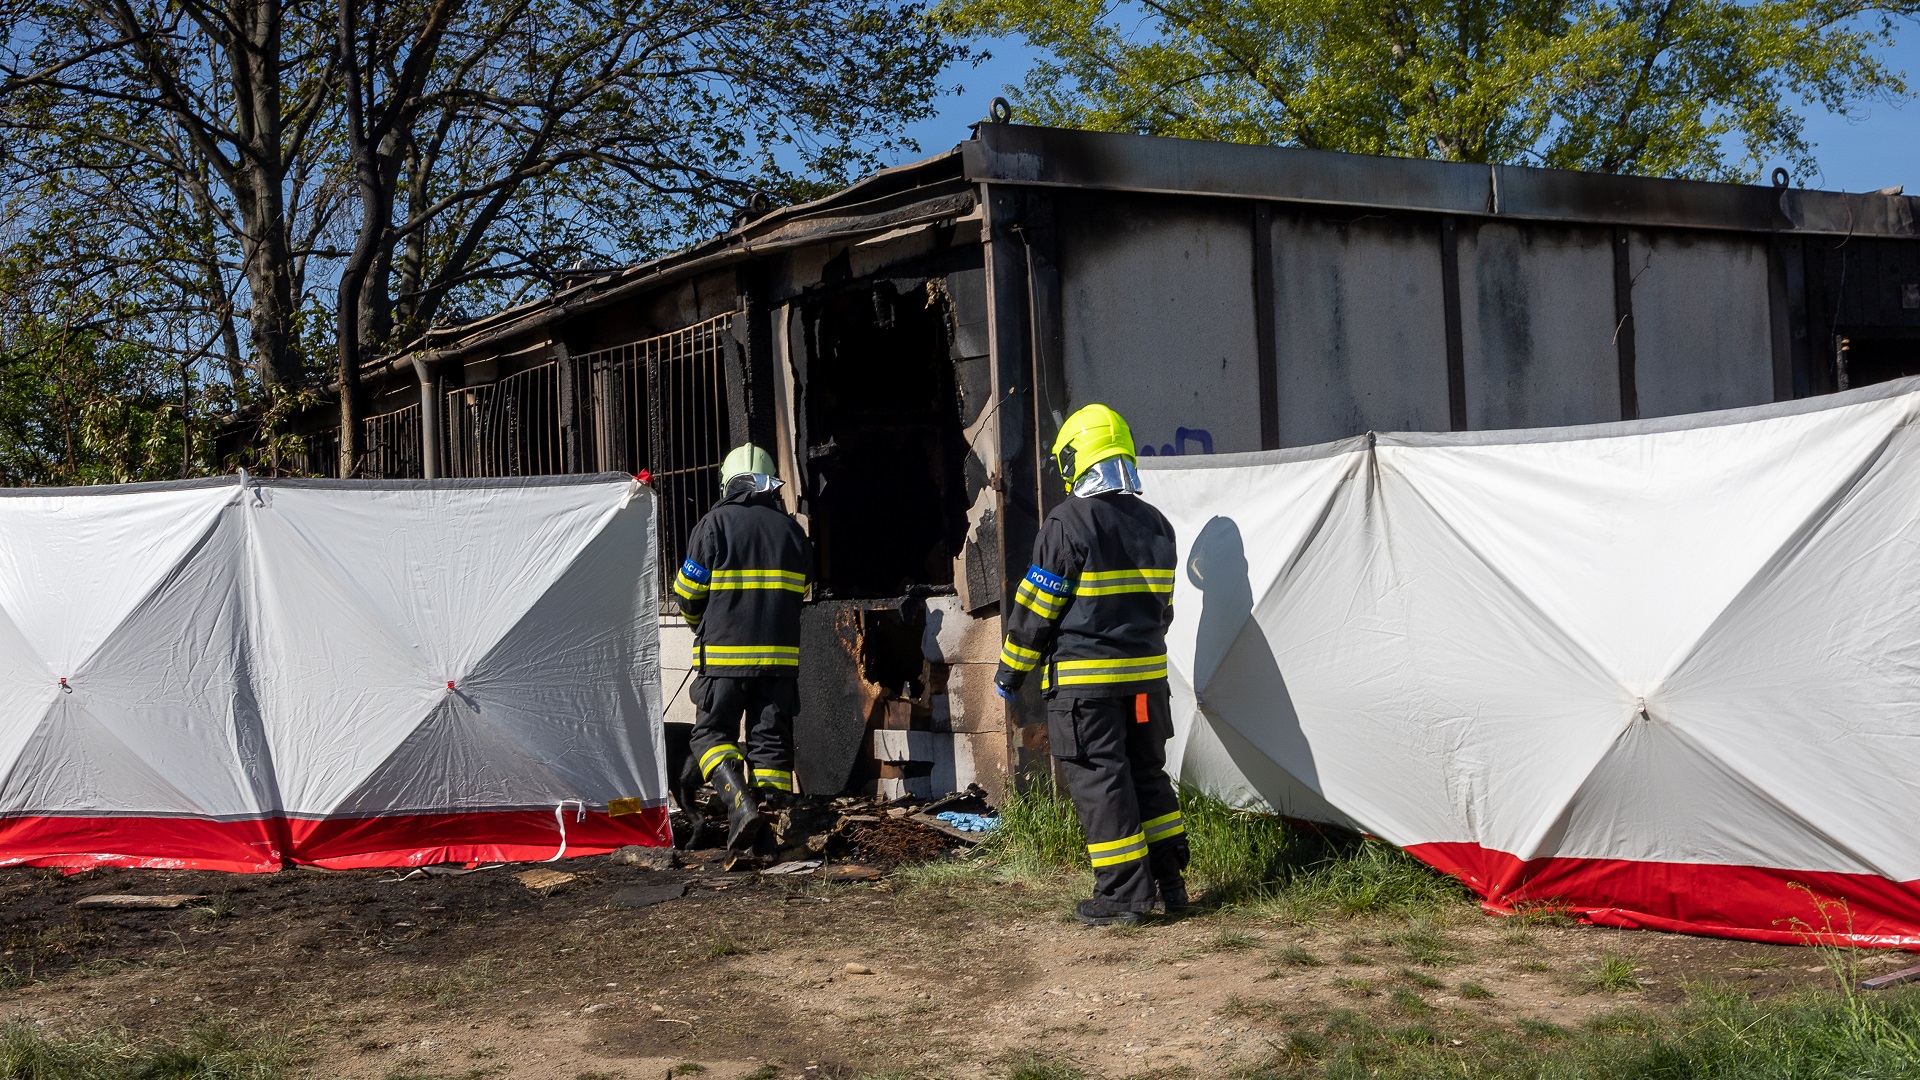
<point>1184,439</point>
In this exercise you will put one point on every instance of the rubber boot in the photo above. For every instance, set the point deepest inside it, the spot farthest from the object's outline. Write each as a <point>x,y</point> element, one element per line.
<point>1096,913</point>
<point>743,806</point>
<point>1173,898</point>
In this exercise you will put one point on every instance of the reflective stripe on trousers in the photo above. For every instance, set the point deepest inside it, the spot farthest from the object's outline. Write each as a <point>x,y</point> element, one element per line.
<point>780,779</point>
<point>718,756</point>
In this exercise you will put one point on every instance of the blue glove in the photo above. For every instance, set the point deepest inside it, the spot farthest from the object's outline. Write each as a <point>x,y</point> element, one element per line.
<point>1005,694</point>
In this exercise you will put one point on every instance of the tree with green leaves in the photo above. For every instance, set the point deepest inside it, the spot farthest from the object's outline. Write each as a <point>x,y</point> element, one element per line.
<point>78,406</point>
<point>338,176</point>
<point>498,143</point>
<point>1695,88</point>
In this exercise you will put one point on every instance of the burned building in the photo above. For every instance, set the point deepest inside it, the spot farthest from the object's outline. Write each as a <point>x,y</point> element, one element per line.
<point>908,346</point>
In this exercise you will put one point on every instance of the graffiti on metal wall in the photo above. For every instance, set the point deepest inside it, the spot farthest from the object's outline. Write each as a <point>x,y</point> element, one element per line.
<point>1185,441</point>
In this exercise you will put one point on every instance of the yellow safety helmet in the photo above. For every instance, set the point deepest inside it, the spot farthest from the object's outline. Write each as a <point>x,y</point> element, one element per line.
<point>745,460</point>
<point>1090,436</point>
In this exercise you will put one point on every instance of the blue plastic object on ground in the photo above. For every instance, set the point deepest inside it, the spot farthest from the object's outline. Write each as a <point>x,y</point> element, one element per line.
<point>969,822</point>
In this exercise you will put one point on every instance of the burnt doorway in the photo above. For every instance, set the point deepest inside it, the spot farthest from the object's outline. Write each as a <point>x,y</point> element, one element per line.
<point>886,497</point>
<point>1876,356</point>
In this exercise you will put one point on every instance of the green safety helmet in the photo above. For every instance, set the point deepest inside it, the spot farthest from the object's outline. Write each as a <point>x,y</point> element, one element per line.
<point>1090,436</point>
<point>749,460</point>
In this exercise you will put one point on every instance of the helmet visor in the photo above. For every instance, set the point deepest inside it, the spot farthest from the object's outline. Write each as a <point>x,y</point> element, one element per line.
<point>755,481</point>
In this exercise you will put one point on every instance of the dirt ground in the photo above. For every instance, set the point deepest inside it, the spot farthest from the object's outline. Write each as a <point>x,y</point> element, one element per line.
<point>381,975</point>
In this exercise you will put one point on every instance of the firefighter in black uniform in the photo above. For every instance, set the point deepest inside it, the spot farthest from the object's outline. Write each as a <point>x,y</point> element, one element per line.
<point>1092,615</point>
<point>740,588</point>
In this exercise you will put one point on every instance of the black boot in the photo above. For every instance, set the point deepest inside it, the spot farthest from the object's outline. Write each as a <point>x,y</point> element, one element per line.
<point>1098,913</point>
<point>743,806</point>
<point>1173,898</point>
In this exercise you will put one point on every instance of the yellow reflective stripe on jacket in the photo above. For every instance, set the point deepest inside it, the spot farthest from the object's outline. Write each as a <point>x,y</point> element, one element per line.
<point>1017,656</point>
<point>1045,604</point>
<point>692,619</point>
<point>1164,826</point>
<point>750,655</point>
<point>1109,582</point>
<point>712,759</point>
<point>1117,669</point>
<point>773,778</point>
<point>789,580</point>
<point>1110,852</point>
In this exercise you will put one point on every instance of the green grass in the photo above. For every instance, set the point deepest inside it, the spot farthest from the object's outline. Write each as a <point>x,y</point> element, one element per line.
<point>1407,1003</point>
<point>1236,854</point>
<point>1611,974</point>
<point>450,987</point>
<point>1542,914</point>
<point>1348,875</point>
<point>1299,957</point>
<point>1424,944</point>
<point>1518,937</point>
<point>1472,991</point>
<point>1238,857</point>
<point>1240,1008</point>
<point>1625,1022</point>
<point>208,1052</point>
<point>1421,979</point>
<point>1355,986</point>
<point>1042,1067</point>
<point>1540,1029</point>
<point>1715,1034</point>
<point>1038,832</point>
<point>1232,941</point>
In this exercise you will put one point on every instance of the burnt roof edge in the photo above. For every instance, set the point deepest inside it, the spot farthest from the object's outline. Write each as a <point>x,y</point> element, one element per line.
<point>873,187</point>
<point>1058,157</point>
<point>1022,155</point>
<point>938,198</point>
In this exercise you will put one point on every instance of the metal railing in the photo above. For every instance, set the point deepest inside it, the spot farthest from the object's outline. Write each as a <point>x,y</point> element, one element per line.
<point>390,445</point>
<point>317,455</point>
<point>661,405</point>
<point>515,426</point>
<point>658,405</point>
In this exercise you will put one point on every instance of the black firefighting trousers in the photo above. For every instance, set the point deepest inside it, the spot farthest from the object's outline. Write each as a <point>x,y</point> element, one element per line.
<point>769,703</point>
<point>1113,756</point>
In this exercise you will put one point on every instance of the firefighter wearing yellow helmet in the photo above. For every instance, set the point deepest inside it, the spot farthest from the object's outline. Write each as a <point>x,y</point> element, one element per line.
<point>740,587</point>
<point>1091,616</point>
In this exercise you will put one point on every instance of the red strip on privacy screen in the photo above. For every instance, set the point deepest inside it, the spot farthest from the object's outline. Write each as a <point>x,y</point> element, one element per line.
<point>1751,903</point>
<point>259,845</point>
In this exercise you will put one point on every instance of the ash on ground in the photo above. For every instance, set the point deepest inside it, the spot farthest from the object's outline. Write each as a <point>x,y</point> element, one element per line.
<point>875,832</point>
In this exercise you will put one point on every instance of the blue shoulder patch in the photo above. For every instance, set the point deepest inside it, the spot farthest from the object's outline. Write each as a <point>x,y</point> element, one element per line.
<point>1053,583</point>
<point>695,572</point>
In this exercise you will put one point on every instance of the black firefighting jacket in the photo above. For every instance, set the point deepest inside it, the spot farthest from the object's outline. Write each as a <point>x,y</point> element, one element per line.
<point>1093,611</point>
<point>740,587</point>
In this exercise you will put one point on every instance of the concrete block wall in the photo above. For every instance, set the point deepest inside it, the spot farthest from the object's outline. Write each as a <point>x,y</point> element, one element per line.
<point>676,666</point>
<point>967,742</point>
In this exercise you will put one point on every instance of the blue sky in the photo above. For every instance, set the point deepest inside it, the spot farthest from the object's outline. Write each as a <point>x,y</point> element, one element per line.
<point>1876,147</point>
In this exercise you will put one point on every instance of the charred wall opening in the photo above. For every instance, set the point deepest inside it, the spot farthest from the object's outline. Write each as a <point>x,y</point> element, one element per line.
<point>886,454</point>
<point>1876,355</point>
